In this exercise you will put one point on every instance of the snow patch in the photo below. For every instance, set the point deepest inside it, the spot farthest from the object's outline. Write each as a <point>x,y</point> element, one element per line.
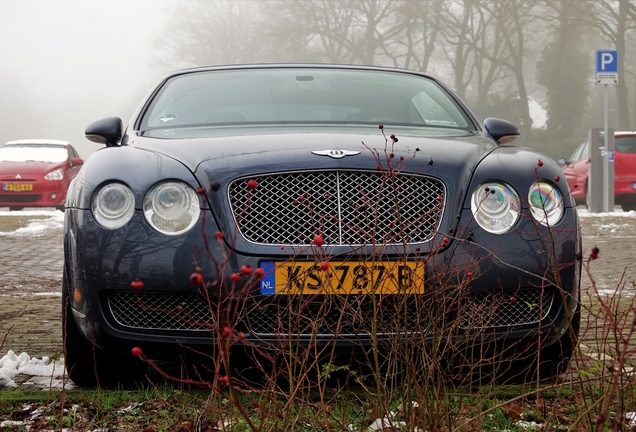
<point>12,364</point>
<point>584,213</point>
<point>38,226</point>
<point>538,114</point>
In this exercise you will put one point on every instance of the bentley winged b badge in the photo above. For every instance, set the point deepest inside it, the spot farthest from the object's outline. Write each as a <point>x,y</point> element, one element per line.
<point>336,154</point>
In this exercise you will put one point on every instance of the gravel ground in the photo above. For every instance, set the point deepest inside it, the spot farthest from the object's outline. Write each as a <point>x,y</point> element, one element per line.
<point>31,272</point>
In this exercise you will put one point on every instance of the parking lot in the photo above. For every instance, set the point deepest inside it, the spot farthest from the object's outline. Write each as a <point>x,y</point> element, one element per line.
<point>31,260</point>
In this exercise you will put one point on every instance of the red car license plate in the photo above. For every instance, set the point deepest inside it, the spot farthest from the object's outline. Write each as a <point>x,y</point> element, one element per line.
<point>17,187</point>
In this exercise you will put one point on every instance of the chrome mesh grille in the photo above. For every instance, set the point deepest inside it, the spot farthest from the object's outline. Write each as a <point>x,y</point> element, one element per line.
<point>334,317</point>
<point>506,309</point>
<point>345,207</point>
<point>160,311</point>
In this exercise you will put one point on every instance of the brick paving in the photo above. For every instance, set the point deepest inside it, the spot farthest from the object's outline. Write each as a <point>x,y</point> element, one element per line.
<point>31,275</point>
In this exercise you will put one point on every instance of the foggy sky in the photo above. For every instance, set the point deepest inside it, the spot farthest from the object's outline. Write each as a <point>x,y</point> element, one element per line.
<point>65,64</point>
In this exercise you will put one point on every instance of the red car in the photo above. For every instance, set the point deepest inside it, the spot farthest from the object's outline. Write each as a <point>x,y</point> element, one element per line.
<point>36,173</point>
<point>576,170</point>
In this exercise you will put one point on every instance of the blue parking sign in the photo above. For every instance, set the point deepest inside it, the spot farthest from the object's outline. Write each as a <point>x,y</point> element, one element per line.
<point>607,67</point>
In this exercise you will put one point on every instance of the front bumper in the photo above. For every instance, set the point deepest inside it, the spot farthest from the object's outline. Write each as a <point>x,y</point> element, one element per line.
<point>44,194</point>
<point>102,263</point>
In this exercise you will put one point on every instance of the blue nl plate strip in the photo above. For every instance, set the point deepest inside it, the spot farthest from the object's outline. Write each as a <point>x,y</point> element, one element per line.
<point>268,283</point>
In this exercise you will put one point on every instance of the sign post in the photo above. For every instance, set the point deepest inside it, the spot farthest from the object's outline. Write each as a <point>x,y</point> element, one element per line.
<point>606,74</point>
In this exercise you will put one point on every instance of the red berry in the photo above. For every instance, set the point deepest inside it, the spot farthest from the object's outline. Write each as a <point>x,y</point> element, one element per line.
<point>235,277</point>
<point>259,273</point>
<point>469,274</point>
<point>600,419</point>
<point>137,284</point>
<point>324,266</point>
<point>302,198</point>
<point>391,223</point>
<point>392,136</point>
<point>282,248</point>
<point>446,240</point>
<point>226,332</point>
<point>379,167</point>
<point>513,300</point>
<point>180,308</point>
<point>241,336</point>
<point>381,126</point>
<point>557,179</point>
<point>318,240</point>
<point>196,278</point>
<point>136,352</point>
<point>575,186</point>
<point>360,292</point>
<point>593,256</point>
<point>401,158</point>
<point>327,196</point>
<point>251,184</point>
<point>246,270</point>
<point>200,191</point>
<point>218,236</point>
<point>391,155</point>
<point>295,202</point>
<point>440,199</point>
<point>540,163</point>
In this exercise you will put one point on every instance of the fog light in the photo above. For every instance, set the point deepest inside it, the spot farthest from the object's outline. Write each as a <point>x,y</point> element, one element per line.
<point>53,196</point>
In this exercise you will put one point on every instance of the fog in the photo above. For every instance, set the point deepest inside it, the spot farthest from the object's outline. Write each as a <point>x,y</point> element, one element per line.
<point>64,64</point>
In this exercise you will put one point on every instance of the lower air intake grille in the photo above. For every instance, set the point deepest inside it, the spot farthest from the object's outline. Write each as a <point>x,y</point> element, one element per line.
<point>20,198</point>
<point>335,316</point>
<point>160,311</point>
<point>507,308</point>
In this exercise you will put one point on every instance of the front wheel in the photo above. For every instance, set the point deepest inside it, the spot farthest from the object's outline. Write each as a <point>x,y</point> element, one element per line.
<point>85,363</point>
<point>628,207</point>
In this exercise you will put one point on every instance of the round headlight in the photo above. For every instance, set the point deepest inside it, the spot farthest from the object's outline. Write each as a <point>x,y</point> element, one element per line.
<point>546,203</point>
<point>495,207</point>
<point>113,205</point>
<point>171,207</point>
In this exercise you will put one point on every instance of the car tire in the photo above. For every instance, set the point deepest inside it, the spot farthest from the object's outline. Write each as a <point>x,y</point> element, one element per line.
<point>628,207</point>
<point>86,363</point>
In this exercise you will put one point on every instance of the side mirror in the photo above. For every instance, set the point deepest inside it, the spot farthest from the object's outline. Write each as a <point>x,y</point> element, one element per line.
<point>562,161</point>
<point>106,131</point>
<point>502,131</point>
<point>77,162</point>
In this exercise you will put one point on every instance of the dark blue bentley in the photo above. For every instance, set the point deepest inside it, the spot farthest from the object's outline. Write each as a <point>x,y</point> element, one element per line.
<point>314,205</point>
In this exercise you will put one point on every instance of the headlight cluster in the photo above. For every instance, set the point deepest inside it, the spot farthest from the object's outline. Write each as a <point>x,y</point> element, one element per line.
<point>58,174</point>
<point>170,207</point>
<point>496,205</point>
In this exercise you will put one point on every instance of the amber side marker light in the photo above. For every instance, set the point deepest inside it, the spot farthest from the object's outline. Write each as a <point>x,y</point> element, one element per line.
<point>77,295</point>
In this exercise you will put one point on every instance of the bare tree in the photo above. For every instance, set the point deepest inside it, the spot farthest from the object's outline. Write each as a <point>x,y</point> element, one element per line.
<point>616,21</point>
<point>211,33</point>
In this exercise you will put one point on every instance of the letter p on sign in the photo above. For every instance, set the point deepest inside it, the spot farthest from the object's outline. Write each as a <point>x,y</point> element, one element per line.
<point>606,59</point>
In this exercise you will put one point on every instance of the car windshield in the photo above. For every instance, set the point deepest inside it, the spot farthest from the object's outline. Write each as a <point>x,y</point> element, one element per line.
<point>625,144</point>
<point>302,96</point>
<point>33,153</point>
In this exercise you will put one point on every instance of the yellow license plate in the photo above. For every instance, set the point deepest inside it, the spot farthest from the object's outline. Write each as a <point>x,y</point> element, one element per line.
<point>17,187</point>
<point>350,277</point>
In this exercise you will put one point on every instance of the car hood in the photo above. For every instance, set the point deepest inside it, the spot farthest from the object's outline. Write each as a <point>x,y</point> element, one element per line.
<point>11,169</point>
<point>270,150</point>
